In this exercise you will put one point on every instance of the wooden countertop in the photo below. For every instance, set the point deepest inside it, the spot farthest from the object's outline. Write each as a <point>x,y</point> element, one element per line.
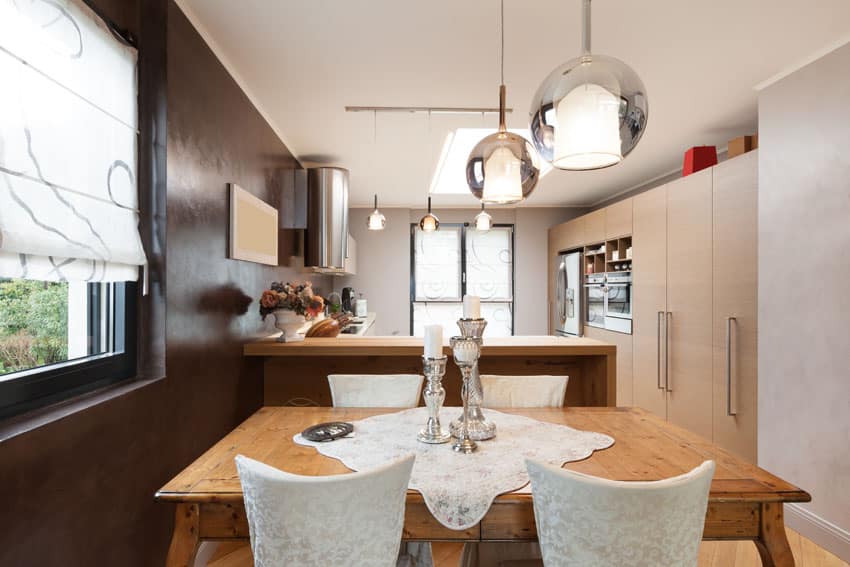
<point>413,346</point>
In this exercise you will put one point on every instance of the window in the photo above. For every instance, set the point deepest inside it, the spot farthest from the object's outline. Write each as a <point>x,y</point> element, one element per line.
<point>457,260</point>
<point>70,250</point>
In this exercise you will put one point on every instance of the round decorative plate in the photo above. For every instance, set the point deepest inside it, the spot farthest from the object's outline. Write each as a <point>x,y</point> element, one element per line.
<point>327,431</point>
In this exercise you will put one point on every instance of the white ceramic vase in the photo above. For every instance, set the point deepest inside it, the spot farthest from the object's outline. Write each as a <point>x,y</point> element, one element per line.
<point>288,323</point>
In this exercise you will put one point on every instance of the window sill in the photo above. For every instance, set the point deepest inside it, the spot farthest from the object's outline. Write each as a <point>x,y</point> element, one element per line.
<point>29,421</point>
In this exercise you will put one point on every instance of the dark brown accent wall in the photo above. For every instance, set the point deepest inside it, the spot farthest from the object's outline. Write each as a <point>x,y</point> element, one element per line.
<point>79,491</point>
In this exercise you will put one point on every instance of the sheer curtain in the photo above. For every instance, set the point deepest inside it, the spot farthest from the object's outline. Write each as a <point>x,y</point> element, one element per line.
<point>68,142</point>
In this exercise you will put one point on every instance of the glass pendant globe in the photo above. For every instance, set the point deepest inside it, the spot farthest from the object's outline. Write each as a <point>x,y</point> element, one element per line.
<point>429,223</point>
<point>376,221</point>
<point>502,169</point>
<point>483,221</point>
<point>589,113</point>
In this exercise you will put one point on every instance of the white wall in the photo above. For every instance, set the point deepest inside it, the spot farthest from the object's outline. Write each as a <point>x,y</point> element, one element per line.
<point>383,263</point>
<point>804,304</point>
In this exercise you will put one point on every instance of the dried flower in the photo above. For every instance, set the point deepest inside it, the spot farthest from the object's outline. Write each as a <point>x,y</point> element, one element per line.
<point>269,299</point>
<point>294,297</point>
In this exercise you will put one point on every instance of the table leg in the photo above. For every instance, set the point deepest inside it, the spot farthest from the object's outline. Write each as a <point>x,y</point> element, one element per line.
<point>185,540</point>
<point>772,543</point>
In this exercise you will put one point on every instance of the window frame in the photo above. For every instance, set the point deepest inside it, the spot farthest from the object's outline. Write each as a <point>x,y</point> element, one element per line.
<point>44,385</point>
<point>465,227</point>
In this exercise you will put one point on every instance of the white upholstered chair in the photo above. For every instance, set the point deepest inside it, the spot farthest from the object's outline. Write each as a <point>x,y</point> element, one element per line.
<point>592,522</point>
<point>514,392</point>
<point>347,519</point>
<point>524,391</point>
<point>375,390</point>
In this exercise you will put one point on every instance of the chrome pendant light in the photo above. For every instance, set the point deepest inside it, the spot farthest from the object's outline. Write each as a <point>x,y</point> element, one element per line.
<point>590,112</point>
<point>483,221</point>
<point>502,168</point>
<point>376,221</point>
<point>430,222</point>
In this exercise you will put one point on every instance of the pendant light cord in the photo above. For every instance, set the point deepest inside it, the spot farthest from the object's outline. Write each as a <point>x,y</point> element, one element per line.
<point>502,48</point>
<point>585,28</point>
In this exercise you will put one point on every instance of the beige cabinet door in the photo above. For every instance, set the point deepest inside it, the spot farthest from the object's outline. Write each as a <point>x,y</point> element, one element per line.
<point>618,219</point>
<point>567,235</point>
<point>735,296</point>
<point>649,294</point>
<point>594,227</point>
<point>689,309</point>
<point>625,361</point>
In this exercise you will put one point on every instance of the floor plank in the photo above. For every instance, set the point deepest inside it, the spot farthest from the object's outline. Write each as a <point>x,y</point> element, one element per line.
<point>711,554</point>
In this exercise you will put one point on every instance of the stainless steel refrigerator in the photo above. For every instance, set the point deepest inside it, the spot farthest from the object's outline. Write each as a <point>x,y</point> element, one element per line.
<point>567,316</point>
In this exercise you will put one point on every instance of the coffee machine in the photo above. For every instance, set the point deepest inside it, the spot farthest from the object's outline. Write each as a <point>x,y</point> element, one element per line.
<point>348,296</point>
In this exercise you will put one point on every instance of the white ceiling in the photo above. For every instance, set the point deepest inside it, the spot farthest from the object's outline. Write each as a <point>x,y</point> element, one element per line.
<point>302,62</point>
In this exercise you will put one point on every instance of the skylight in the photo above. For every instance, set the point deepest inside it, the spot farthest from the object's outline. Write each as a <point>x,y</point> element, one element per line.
<point>450,175</point>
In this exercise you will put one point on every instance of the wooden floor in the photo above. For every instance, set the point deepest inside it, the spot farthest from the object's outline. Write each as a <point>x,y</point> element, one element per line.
<point>711,554</point>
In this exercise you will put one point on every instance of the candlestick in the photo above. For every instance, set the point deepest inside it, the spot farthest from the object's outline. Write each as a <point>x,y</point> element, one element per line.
<point>465,350</point>
<point>433,341</point>
<point>478,427</point>
<point>434,396</point>
<point>471,307</point>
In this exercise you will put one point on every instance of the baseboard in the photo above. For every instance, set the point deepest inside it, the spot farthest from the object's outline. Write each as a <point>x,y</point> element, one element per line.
<point>824,533</point>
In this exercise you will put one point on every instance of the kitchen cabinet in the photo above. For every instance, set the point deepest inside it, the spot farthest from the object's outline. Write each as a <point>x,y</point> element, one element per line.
<point>567,235</point>
<point>594,227</point>
<point>735,299</point>
<point>649,293</point>
<point>688,379</point>
<point>618,219</point>
<point>625,363</point>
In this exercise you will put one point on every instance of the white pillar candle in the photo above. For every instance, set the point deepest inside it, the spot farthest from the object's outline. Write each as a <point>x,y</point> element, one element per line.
<point>471,307</point>
<point>433,341</point>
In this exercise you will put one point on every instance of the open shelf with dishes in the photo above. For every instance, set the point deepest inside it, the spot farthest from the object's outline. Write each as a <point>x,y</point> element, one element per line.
<point>613,255</point>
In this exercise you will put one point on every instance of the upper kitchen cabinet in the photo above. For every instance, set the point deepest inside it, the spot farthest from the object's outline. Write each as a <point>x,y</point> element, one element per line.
<point>567,236</point>
<point>735,285</point>
<point>618,219</point>
<point>594,227</point>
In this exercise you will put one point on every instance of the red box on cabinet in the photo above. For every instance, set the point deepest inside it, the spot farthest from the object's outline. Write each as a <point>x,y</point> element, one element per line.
<point>699,157</point>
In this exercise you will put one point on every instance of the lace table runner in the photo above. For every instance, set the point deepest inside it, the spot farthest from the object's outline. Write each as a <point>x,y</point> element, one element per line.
<point>459,489</point>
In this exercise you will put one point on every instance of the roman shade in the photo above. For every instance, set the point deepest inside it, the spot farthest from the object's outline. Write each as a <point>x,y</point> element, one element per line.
<point>68,142</point>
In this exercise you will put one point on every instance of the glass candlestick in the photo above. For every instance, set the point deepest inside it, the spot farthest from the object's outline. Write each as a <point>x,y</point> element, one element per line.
<point>434,396</point>
<point>479,428</point>
<point>466,351</point>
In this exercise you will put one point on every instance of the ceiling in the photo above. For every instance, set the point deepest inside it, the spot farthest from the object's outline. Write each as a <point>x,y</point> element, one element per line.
<point>302,62</point>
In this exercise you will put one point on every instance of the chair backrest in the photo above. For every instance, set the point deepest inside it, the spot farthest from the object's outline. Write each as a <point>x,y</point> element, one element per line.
<point>524,391</point>
<point>375,390</point>
<point>588,521</point>
<point>347,519</point>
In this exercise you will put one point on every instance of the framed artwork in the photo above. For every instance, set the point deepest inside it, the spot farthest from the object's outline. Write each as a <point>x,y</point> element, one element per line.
<point>253,228</point>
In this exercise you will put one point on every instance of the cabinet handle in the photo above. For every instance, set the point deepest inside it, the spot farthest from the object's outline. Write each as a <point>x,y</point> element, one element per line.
<point>668,318</point>
<point>729,410</point>
<point>658,356</point>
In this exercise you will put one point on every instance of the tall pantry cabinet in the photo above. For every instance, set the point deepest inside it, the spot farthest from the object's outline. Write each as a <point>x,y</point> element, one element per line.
<point>694,244</point>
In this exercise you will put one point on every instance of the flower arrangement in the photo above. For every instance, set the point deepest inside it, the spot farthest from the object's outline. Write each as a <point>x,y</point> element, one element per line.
<point>298,297</point>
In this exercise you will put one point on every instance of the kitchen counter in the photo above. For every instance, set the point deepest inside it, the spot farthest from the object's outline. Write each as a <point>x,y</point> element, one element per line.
<point>296,373</point>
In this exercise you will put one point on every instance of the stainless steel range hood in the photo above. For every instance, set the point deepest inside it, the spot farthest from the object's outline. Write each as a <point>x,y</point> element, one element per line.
<point>326,240</point>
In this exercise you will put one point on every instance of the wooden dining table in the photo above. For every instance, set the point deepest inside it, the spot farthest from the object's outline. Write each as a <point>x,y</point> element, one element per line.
<point>745,502</point>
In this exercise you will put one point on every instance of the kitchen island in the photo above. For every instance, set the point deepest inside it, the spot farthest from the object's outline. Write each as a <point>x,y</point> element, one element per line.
<point>296,373</point>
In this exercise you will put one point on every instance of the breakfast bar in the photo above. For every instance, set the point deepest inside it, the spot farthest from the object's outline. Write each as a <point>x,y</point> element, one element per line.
<point>296,373</point>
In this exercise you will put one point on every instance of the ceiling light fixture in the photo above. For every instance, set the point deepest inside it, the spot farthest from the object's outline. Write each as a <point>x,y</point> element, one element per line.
<point>483,221</point>
<point>376,221</point>
<point>502,168</point>
<point>430,222</point>
<point>590,112</point>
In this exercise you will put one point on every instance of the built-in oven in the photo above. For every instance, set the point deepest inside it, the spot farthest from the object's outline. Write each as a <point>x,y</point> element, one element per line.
<point>594,300</point>
<point>618,302</point>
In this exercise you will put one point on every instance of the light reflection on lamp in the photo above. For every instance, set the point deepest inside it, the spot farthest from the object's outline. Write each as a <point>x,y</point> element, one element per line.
<point>376,220</point>
<point>483,221</point>
<point>589,132</point>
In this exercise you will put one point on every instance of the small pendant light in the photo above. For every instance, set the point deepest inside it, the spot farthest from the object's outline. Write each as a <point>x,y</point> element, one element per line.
<point>590,112</point>
<point>483,220</point>
<point>376,220</point>
<point>429,222</point>
<point>502,168</point>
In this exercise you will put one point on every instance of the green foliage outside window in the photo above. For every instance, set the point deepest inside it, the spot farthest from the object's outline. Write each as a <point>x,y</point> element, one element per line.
<point>33,324</point>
